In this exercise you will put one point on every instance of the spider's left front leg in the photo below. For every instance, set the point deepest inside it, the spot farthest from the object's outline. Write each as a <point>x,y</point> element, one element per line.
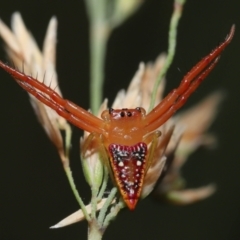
<point>176,98</point>
<point>65,108</point>
<point>156,161</point>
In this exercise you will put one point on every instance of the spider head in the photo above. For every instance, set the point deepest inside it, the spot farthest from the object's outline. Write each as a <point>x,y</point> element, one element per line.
<point>124,126</point>
<point>123,115</point>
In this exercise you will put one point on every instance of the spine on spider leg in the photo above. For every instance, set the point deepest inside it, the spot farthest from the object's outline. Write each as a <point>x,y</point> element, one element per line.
<point>61,111</point>
<point>19,76</point>
<point>76,111</point>
<point>188,85</point>
<point>71,112</point>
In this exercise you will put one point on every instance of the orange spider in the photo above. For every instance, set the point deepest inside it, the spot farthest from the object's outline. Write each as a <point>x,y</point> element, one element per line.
<point>125,137</point>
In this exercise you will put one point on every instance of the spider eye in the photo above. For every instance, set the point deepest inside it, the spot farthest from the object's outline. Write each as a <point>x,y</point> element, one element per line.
<point>122,114</point>
<point>139,109</point>
<point>111,110</point>
<point>129,114</point>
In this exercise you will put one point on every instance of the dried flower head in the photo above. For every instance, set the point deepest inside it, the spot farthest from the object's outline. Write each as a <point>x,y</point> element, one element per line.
<point>23,52</point>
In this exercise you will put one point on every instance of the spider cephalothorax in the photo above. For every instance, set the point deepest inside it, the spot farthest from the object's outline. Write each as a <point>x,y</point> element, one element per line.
<point>127,137</point>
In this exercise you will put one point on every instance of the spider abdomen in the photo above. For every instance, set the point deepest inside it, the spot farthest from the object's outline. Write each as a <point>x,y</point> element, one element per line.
<point>128,165</point>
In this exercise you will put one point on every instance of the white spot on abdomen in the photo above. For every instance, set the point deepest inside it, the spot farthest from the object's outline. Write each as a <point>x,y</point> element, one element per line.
<point>120,164</point>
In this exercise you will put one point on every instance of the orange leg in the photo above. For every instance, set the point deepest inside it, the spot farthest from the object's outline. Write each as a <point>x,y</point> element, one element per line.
<point>176,98</point>
<point>70,111</point>
<point>153,139</point>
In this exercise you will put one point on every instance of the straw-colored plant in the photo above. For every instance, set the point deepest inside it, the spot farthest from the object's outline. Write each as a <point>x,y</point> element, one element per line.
<point>180,135</point>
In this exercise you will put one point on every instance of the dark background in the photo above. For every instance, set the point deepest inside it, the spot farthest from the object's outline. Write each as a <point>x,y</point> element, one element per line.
<point>34,192</point>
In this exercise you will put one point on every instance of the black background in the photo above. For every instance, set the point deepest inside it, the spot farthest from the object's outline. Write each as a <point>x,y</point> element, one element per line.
<point>34,192</point>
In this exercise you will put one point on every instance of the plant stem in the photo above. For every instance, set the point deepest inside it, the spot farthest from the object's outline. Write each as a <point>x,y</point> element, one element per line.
<point>94,232</point>
<point>98,42</point>
<point>172,41</point>
<point>112,214</point>
<point>94,190</point>
<point>106,205</point>
<point>99,33</point>
<point>104,183</point>
<point>75,192</point>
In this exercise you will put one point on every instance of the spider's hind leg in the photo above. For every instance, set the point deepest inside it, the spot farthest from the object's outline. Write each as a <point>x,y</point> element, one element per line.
<point>152,139</point>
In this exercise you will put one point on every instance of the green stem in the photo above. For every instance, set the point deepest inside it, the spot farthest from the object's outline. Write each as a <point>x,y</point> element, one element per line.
<point>112,214</point>
<point>94,190</point>
<point>94,232</point>
<point>104,183</point>
<point>172,41</point>
<point>75,192</point>
<point>106,205</point>
<point>98,42</point>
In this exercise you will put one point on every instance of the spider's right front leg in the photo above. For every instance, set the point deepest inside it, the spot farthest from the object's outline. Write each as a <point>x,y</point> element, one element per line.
<point>175,99</point>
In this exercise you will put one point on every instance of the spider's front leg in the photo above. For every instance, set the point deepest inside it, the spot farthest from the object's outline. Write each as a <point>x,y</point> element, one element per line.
<point>177,97</point>
<point>65,108</point>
